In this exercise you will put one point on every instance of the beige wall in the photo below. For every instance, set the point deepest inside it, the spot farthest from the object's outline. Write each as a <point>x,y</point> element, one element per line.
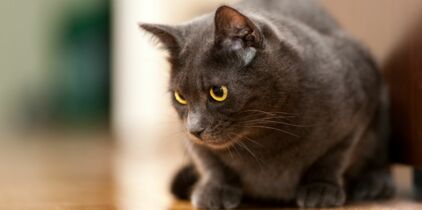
<point>380,24</point>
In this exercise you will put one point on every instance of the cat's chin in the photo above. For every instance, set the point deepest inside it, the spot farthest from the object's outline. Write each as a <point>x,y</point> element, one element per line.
<point>212,143</point>
<point>215,144</point>
<point>219,144</point>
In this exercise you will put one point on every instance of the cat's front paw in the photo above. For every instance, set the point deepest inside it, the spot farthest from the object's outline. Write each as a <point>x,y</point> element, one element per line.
<point>216,196</point>
<point>320,195</point>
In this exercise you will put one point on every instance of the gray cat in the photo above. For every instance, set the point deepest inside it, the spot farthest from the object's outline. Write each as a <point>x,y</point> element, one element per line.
<point>279,104</point>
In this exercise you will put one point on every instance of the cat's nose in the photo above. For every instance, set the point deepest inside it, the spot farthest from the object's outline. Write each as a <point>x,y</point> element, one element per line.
<point>194,125</point>
<point>197,133</point>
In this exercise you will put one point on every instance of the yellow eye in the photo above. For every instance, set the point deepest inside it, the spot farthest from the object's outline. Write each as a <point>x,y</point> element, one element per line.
<point>179,98</point>
<point>219,93</point>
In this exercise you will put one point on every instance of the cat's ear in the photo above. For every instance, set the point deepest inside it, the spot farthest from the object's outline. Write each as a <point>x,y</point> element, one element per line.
<point>235,30</point>
<point>169,36</point>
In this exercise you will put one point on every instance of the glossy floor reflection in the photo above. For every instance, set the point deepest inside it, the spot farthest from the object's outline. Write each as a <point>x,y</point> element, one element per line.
<point>90,172</point>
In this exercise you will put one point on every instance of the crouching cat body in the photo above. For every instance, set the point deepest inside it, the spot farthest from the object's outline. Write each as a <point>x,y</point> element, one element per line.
<point>279,104</point>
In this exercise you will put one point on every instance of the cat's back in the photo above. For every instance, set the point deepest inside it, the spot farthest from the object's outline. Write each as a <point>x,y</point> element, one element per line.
<point>308,12</point>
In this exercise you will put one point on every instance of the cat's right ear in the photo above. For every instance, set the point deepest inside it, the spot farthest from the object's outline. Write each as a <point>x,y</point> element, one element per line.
<point>167,35</point>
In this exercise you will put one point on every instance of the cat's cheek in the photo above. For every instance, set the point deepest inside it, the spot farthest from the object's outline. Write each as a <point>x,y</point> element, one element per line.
<point>180,110</point>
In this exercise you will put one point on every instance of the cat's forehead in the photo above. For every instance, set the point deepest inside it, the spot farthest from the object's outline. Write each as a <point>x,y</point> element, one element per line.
<point>197,28</point>
<point>199,64</point>
<point>200,78</point>
<point>198,40</point>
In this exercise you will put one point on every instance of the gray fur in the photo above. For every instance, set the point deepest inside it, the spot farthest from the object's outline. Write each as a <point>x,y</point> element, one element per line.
<point>302,122</point>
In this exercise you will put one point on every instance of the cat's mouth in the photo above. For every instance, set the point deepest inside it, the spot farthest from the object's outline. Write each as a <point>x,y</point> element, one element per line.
<point>220,143</point>
<point>211,142</point>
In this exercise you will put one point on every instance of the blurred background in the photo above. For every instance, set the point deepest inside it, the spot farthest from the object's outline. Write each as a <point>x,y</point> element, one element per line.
<point>85,119</point>
<point>55,64</point>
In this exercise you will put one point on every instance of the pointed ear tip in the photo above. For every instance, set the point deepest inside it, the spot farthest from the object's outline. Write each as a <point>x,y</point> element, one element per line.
<point>144,26</point>
<point>223,8</point>
<point>226,10</point>
<point>148,27</point>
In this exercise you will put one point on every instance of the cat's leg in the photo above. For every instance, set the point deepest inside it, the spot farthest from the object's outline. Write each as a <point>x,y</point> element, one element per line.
<point>322,185</point>
<point>370,176</point>
<point>373,184</point>
<point>218,187</point>
<point>183,181</point>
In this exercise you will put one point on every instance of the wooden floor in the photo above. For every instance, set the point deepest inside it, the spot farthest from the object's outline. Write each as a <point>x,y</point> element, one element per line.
<point>93,172</point>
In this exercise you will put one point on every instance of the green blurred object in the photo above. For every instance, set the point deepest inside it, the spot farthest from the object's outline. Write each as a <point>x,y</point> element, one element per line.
<point>81,93</point>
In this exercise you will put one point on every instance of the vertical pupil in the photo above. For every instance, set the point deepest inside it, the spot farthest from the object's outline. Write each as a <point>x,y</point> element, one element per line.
<point>218,91</point>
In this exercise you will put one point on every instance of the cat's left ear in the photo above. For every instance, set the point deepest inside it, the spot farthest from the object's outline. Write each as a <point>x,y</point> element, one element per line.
<point>235,30</point>
<point>169,36</point>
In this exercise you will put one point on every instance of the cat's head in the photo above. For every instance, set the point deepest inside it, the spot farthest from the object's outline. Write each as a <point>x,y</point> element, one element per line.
<point>231,75</point>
